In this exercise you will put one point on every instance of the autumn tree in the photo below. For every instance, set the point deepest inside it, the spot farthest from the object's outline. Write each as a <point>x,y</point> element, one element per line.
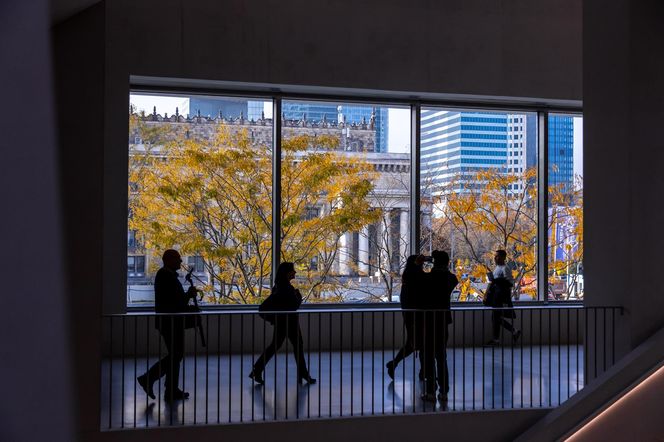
<point>565,240</point>
<point>212,197</point>
<point>485,211</point>
<point>476,214</point>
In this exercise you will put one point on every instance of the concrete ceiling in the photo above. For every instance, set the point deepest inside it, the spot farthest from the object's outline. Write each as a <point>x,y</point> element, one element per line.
<point>63,9</point>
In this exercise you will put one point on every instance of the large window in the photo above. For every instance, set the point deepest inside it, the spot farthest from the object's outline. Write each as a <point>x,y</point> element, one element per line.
<point>201,180</point>
<point>478,194</point>
<point>565,208</point>
<point>200,175</point>
<point>345,198</point>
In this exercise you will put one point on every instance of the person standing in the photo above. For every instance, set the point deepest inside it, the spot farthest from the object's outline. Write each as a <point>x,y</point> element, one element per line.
<point>169,297</point>
<point>284,297</point>
<point>499,296</point>
<point>411,282</point>
<point>438,287</point>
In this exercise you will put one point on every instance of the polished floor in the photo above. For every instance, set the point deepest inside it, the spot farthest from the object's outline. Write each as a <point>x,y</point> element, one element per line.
<point>349,384</point>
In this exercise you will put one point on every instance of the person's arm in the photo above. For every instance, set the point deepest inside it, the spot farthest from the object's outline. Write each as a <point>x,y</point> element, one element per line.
<point>298,298</point>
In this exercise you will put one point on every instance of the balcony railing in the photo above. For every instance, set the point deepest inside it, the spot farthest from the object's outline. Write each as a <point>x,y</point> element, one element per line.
<point>557,350</point>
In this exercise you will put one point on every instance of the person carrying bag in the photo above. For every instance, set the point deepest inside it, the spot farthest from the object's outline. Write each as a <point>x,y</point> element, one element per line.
<point>283,298</point>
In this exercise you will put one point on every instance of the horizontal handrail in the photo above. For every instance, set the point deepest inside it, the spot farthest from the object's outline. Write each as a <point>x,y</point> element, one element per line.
<point>366,310</point>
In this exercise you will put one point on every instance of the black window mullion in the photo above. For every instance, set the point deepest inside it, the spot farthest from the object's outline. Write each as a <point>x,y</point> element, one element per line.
<point>276,185</point>
<point>542,206</point>
<point>415,125</point>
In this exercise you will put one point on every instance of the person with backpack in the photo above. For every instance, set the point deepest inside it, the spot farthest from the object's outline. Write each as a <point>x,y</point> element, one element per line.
<point>499,297</point>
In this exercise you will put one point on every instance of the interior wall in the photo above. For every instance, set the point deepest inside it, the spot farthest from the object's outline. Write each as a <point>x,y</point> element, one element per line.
<point>79,83</point>
<point>510,48</point>
<point>35,346</point>
<point>623,111</point>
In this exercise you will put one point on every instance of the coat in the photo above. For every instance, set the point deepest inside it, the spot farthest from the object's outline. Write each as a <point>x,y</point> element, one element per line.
<point>437,288</point>
<point>170,297</point>
<point>499,294</point>
<point>284,297</point>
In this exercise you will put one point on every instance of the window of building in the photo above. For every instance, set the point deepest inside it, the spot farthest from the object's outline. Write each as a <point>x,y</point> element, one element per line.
<point>197,263</point>
<point>135,266</point>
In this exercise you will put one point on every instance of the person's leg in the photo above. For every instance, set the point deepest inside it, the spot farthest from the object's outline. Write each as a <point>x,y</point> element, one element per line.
<point>442,374</point>
<point>507,325</point>
<point>403,352</point>
<point>156,371</point>
<point>295,338</point>
<point>278,336</point>
<point>159,368</point>
<point>407,348</point>
<point>428,363</point>
<point>175,346</point>
<point>496,318</point>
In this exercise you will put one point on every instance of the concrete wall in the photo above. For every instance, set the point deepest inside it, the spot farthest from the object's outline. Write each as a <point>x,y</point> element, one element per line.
<point>34,331</point>
<point>79,73</point>
<point>514,48</point>
<point>623,111</point>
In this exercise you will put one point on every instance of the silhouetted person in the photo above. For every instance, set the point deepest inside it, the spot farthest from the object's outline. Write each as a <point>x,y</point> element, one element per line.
<point>411,281</point>
<point>433,335</point>
<point>169,297</point>
<point>499,295</point>
<point>284,297</point>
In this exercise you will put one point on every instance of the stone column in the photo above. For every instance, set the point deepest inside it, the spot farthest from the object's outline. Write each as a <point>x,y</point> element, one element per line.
<point>342,254</point>
<point>384,240</point>
<point>363,251</point>
<point>404,237</point>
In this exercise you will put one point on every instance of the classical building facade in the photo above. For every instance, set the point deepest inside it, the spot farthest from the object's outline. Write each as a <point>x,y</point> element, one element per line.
<point>377,251</point>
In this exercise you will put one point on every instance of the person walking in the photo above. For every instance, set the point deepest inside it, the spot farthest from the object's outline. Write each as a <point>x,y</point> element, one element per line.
<point>286,298</point>
<point>411,281</point>
<point>499,297</point>
<point>169,297</point>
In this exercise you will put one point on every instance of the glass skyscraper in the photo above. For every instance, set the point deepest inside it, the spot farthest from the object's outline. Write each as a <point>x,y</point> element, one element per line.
<point>561,151</point>
<point>459,144</point>
<point>294,110</point>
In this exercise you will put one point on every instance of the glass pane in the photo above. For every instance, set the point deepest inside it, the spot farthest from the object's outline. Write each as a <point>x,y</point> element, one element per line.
<point>200,181</point>
<point>565,220</point>
<point>345,199</point>
<point>479,194</point>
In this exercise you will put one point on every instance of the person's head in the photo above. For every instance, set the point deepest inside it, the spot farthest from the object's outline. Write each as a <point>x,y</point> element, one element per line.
<point>440,258</point>
<point>172,259</point>
<point>410,261</point>
<point>500,257</point>
<point>285,272</point>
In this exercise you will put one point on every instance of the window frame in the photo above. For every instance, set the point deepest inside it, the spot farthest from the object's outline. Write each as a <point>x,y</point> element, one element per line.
<point>277,96</point>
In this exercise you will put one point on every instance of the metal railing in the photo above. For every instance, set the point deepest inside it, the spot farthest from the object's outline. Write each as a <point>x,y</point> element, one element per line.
<point>348,353</point>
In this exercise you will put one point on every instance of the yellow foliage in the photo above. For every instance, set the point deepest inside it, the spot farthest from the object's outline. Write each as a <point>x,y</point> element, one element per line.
<point>213,198</point>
